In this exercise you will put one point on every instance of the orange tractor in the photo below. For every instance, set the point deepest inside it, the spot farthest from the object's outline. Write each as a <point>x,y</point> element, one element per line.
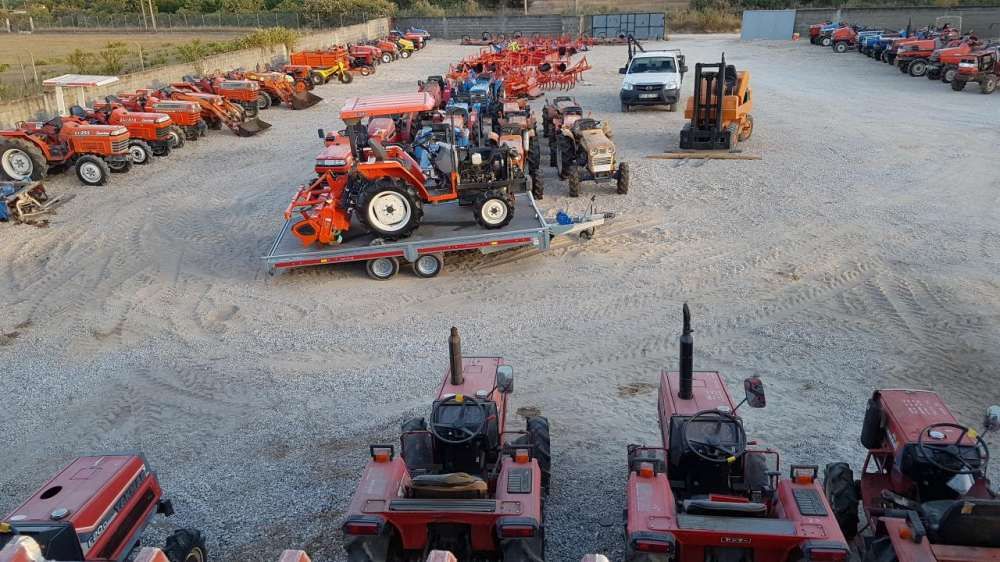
<point>719,111</point>
<point>278,88</point>
<point>32,148</point>
<point>244,93</point>
<point>217,111</point>
<point>148,132</point>
<point>301,75</point>
<point>185,115</point>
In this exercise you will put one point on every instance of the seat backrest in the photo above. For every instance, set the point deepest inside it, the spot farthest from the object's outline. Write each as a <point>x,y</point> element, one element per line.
<point>970,522</point>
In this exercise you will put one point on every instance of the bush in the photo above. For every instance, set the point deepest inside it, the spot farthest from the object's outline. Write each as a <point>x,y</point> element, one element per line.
<point>81,61</point>
<point>711,20</point>
<point>193,53</point>
<point>269,38</point>
<point>113,57</point>
<point>424,9</point>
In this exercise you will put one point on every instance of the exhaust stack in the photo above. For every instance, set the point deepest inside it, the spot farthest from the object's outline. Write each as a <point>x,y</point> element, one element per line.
<point>455,355</point>
<point>687,358</point>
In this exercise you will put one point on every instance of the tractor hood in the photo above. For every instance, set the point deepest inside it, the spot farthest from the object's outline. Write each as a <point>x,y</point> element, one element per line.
<point>594,140</point>
<point>143,118</point>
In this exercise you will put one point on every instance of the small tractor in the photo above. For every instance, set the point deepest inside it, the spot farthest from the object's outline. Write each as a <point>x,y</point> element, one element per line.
<point>719,110</point>
<point>943,63</point>
<point>25,201</point>
<point>708,495</point>
<point>923,487</point>
<point>515,127</point>
<point>95,510</point>
<point>186,115</point>
<point>552,114</point>
<point>438,88</point>
<point>913,56</point>
<point>216,111</point>
<point>419,37</point>
<point>149,133</point>
<point>301,75</point>
<point>844,39</point>
<point>31,149</point>
<point>364,58</point>
<point>982,66</point>
<point>406,47</point>
<point>462,481</point>
<point>244,93</point>
<point>279,88</point>
<point>587,153</point>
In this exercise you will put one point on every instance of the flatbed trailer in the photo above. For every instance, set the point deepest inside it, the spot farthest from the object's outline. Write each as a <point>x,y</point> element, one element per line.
<point>445,228</point>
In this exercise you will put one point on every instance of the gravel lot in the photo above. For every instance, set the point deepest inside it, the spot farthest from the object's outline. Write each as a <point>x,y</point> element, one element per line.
<point>863,251</point>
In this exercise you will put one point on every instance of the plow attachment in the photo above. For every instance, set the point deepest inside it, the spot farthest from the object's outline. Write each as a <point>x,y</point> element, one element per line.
<point>25,202</point>
<point>302,100</point>
<point>250,127</point>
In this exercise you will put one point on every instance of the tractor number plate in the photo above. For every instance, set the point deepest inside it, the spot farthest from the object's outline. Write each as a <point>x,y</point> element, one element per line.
<point>648,96</point>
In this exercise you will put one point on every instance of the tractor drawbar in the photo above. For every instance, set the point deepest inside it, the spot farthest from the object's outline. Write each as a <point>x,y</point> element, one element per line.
<point>687,358</point>
<point>455,355</point>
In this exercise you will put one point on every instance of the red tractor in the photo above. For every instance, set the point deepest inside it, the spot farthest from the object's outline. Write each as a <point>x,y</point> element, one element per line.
<point>923,486</point>
<point>981,66</point>
<point>706,496</point>
<point>95,510</point>
<point>28,151</point>
<point>247,94</point>
<point>149,133</point>
<point>364,58</point>
<point>438,88</point>
<point>844,39</point>
<point>186,115</point>
<point>462,481</point>
<point>943,63</point>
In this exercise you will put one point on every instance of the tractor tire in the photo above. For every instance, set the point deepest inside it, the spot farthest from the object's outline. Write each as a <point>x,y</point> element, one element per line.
<point>140,152</point>
<point>21,160</point>
<point>176,136</point>
<point>541,450</point>
<point>92,171</point>
<point>917,68</point>
<point>573,179</point>
<point>872,426</point>
<point>842,493</point>
<point>120,167</point>
<point>948,74</point>
<point>162,150</point>
<point>748,132</point>
<point>404,54</point>
<point>264,101</point>
<point>185,545</point>
<point>317,79</point>
<point>366,70</point>
<point>988,84</point>
<point>904,67</point>
<point>879,550</point>
<point>537,184</point>
<point>386,58</point>
<point>553,154</point>
<point>622,178</point>
<point>252,110</point>
<point>215,124</point>
<point>346,77</point>
<point>840,47</point>
<point>493,209</point>
<point>734,136</point>
<point>958,85</point>
<point>391,209</point>
<point>275,99</point>
<point>826,41</point>
<point>933,74</point>
<point>625,107</point>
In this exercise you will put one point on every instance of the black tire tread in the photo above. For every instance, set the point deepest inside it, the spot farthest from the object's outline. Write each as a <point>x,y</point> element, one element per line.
<point>41,164</point>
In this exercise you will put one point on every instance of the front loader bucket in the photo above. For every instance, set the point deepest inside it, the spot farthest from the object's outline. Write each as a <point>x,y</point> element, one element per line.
<point>302,100</point>
<point>251,127</point>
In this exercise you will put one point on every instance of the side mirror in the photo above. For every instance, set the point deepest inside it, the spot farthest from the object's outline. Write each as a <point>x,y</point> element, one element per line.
<point>505,379</point>
<point>684,69</point>
<point>321,133</point>
<point>754,388</point>
<point>992,419</point>
<point>621,70</point>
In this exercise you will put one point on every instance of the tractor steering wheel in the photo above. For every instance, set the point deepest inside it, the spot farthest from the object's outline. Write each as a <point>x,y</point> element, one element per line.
<point>952,449</point>
<point>440,429</point>
<point>712,449</point>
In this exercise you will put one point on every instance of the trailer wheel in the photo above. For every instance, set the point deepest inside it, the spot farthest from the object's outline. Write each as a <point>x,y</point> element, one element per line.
<point>139,152</point>
<point>622,179</point>
<point>493,209</point>
<point>391,208</point>
<point>382,269</point>
<point>840,47</point>
<point>917,68</point>
<point>573,179</point>
<point>428,265</point>
<point>185,545</point>
<point>988,84</point>
<point>958,85</point>
<point>176,136</point>
<point>842,493</point>
<point>21,160</point>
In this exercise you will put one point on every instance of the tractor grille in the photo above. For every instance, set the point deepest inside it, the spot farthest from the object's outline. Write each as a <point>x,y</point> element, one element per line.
<point>119,146</point>
<point>162,132</point>
<point>649,87</point>
<point>603,160</point>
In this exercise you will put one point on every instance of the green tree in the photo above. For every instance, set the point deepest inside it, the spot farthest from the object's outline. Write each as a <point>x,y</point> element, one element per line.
<point>113,57</point>
<point>244,6</point>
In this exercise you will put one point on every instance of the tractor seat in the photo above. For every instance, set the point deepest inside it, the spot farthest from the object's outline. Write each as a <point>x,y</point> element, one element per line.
<point>453,485</point>
<point>968,522</point>
<point>725,509</point>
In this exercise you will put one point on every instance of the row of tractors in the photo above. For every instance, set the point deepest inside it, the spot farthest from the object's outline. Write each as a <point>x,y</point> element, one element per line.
<point>938,52</point>
<point>133,128</point>
<point>466,483</point>
<point>469,136</point>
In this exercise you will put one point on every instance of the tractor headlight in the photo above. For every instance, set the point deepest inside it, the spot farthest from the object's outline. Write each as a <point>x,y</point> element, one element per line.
<point>163,119</point>
<point>332,162</point>
<point>628,87</point>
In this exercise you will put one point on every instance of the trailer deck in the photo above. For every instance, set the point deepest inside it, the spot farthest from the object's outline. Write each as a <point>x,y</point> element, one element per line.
<point>446,227</point>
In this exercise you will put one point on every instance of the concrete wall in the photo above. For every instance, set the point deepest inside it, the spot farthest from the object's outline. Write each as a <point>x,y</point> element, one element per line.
<point>44,107</point>
<point>984,20</point>
<point>456,27</point>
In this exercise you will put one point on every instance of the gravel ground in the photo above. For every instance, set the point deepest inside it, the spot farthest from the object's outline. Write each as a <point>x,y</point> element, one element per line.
<point>863,251</point>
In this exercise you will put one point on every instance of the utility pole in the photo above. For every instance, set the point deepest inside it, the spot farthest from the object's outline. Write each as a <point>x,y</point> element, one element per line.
<point>152,14</point>
<point>142,8</point>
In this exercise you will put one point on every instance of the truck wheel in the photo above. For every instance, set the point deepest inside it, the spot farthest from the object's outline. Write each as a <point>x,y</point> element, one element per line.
<point>747,131</point>
<point>840,47</point>
<point>316,78</point>
<point>382,269</point>
<point>428,266</point>
<point>553,157</point>
<point>391,208</point>
<point>22,160</point>
<point>842,493</point>
<point>622,178</point>
<point>493,209</point>
<point>625,107</point>
<point>139,152</point>
<point>917,68</point>
<point>175,136</point>
<point>92,170</point>
<point>573,179</point>
<point>958,85</point>
<point>185,545</point>
<point>988,84</point>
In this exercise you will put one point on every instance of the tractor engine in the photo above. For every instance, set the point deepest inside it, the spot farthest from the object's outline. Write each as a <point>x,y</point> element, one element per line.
<point>482,166</point>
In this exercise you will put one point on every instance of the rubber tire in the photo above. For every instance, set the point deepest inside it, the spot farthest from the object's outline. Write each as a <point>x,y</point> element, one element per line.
<point>317,79</point>
<point>105,170</point>
<point>948,76</point>
<point>264,101</point>
<point>163,151</point>
<point>622,181</point>
<point>573,180</point>
<point>120,168</point>
<point>480,202</point>
<point>537,184</point>
<point>370,269</point>
<point>904,67</point>
<point>386,58</point>
<point>404,54</point>
<point>346,77</point>
<point>872,426</point>
<point>366,70</point>
<point>186,545</point>
<point>958,85</point>
<point>916,68</point>
<point>541,448</point>
<point>826,41</point>
<point>745,137</point>
<point>988,84</point>
<point>437,259</point>
<point>553,155</point>
<point>389,184</point>
<point>933,74</point>
<point>840,47</point>
<point>39,165</point>
<point>842,494</point>
<point>144,147</point>
<point>177,137</point>
<point>734,136</point>
<point>626,107</point>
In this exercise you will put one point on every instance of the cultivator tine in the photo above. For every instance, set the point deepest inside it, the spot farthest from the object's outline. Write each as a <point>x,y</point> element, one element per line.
<point>251,127</point>
<point>302,100</point>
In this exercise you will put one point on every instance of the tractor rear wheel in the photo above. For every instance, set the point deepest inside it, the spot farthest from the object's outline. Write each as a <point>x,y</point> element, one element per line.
<point>553,154</point>
<point>22,160</point>
<point>346,77</point>
<point>176,136</point>
<point>92,170</point>
<point>917,68</point>
<point>537,184</point>
<point>840,47</point>
<point>317,78</point>
<point>622,178</point>
<point>494,209</point>
<point>541,451</point>
<point>573,179</point>
<point>958,85</point>
<point>842,493</point>
<point>185,545</point>
<point>139,152</point>
<point>391,209</point>
<point>162,149</point>
<point>988,84</point>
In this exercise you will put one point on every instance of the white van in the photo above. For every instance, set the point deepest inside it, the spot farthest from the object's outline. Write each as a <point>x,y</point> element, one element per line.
<point>653,78</point>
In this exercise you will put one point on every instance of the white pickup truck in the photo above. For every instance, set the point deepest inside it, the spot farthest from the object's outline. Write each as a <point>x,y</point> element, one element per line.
<point>653,78</point>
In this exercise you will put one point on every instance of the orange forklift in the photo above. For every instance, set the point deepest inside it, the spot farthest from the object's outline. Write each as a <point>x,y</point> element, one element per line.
<point>719,111</point>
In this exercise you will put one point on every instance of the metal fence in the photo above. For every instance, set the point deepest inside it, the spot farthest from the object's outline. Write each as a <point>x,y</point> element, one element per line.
<point>638,25</point>
<point>166,22</point>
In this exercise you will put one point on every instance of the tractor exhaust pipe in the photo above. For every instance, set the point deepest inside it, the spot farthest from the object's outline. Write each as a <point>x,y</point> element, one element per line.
<point>687,358</point>
<point>455,355</point>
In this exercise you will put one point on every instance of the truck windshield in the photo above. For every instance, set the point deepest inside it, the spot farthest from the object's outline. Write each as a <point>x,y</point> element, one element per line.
<point>652,64</point>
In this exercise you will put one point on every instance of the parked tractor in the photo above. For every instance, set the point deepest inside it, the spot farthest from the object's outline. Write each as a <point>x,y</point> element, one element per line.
<point>278,88</point>
<point>982,66</point>
<point>185,117</point>
<point>30,150</point>
<point>26,201</point>
<point>707,494</point>
<point>516,128</point>
<point>943,63</point>
<point>216,111</point>
<point>719,111</point>
<point>364,58</point>
<point>96,510</point>
<point>586,152</point>
<point>149,133</point>
<point>913,56</point>
<point>245,93</point>
<point>438,88</point>
<point>923,486</point>
<point>301,75</point>
<point>464,480</point>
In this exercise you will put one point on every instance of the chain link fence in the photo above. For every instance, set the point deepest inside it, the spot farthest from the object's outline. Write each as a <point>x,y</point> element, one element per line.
<point>181,21</point>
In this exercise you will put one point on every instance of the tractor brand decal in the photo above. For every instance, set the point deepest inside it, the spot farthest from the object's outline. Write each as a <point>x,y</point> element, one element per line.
<point>88,542</point>
<point>735,540</point>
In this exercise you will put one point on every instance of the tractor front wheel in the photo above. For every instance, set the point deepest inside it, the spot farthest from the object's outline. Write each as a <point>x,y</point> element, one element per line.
<point>121,166</point>
<point>573,179</point>
<point>958,85</point>
<point>317,79</point>
<point>917,68</point>
<point>391,208</point>
<point>175,136</point>
<point>826,41</point>
<point>21,160</point>
<point>93,171</point>
<point>842,493</point>
<point>840,47</point>
<point>185,545</point>
<point>622,179</point>
<point>988,84</point>
<point>404,54</point>
<point>948,75</point>
<point>366,70</point>
<point>139,152</point>
<point>386,58</point>
<point>494,209</point>
<point>346,77</point>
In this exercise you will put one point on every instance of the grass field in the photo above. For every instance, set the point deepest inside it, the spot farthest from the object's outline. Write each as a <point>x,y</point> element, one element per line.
<point>51,49</point>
